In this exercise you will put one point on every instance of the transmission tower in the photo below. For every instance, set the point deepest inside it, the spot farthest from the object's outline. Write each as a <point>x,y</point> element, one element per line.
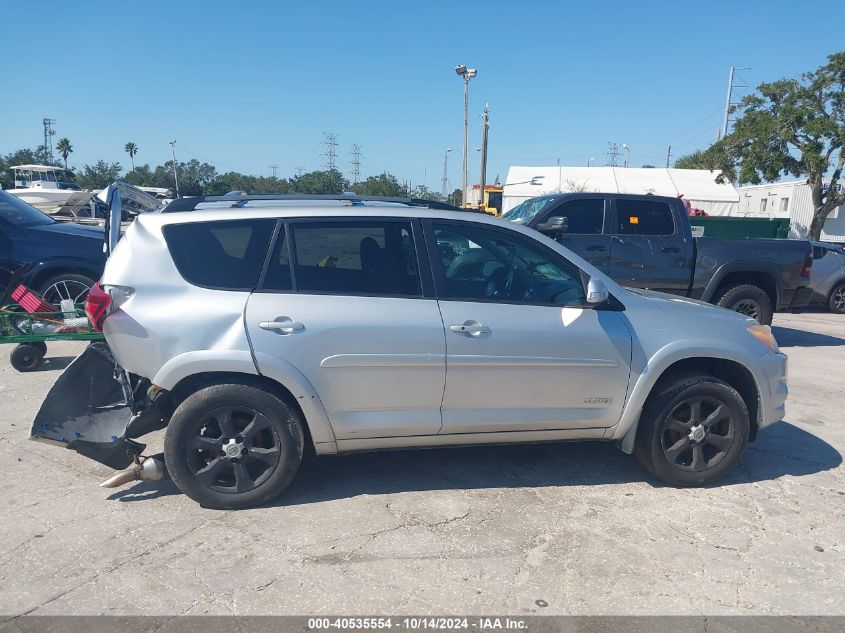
<point>274,169</point>
<point>613,154</point>
<point>355,151</point>
<point>49,133</point>
<point>729,103</point>
<point>330,141</point>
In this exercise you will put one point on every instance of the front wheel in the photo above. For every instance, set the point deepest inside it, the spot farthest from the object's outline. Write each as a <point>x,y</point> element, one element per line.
<point>692,431</point>
<point>836,303</point>
<point>233,446</point>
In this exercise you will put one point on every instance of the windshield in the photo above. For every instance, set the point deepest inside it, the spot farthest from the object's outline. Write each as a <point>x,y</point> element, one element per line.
<point>525,212</point>
<point>16,212</point>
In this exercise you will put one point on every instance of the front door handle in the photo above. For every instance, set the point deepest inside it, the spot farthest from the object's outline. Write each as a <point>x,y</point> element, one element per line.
<point>282,325</point>
<point>670,249</point>
<point>470,327</point>
<point>595,247</point>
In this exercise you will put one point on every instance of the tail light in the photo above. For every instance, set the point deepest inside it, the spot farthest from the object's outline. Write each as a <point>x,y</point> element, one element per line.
<point>96,306</point>
<point>808,264</point>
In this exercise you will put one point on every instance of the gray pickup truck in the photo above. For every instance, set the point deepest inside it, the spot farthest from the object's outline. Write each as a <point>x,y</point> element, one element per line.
<point>645,241</point>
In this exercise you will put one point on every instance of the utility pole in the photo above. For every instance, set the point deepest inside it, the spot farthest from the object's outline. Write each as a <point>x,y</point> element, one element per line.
<point>668,156</point>
<point>627,152</point>
<point>274,169</point>
<point>485,128</point>
<point>49,133</point>
<point>330,141</point>
<point>612,154</point>
<point>467,74</point>
<point>175,176</point>
<point>444,182</point>
<point>729,97</point>
<point>355,151</point>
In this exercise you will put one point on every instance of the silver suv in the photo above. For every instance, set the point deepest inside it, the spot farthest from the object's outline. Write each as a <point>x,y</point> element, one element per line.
<point>255,330</point>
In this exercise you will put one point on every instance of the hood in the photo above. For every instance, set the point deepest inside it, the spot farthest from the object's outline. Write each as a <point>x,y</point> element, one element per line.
<point>682,306</point>
<point>71,228</point>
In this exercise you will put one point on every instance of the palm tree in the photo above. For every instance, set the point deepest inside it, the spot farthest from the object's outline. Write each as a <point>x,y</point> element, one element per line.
<point>131,149</point>
<point>64,148</point>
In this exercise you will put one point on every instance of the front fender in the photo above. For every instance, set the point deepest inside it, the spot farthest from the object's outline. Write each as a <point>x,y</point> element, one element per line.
<point>657,365</point>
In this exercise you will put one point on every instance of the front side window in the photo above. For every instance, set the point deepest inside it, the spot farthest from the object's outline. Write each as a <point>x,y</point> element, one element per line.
<point>360,258</point>
<point>482,264</point>
<point>525,211</point>
<point>225,255</point>
<point>643,217</point>
<point>583,217</point>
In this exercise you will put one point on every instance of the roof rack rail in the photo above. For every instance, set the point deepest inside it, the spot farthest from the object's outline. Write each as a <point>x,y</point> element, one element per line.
<point>189,204</point>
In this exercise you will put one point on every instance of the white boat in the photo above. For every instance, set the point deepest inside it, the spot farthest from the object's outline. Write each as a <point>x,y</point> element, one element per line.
<point>40,186</point>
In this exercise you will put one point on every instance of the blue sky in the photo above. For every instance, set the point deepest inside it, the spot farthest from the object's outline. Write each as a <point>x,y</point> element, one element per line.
<point>249,84</point>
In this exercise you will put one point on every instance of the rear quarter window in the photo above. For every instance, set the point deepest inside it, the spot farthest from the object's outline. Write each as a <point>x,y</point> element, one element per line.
<point>225,255</point>
<point>643,217</point>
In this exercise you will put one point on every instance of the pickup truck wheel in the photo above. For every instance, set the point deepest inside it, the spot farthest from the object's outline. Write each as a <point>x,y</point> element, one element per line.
<point>749,300</point>
<point>233,446</point>
<point>692,431</point>
<point>836,303</point>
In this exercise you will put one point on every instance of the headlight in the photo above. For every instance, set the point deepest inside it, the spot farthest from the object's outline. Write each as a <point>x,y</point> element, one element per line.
<point>763,333</point>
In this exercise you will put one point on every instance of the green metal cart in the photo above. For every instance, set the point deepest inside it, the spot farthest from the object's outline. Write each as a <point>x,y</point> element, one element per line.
<point>31,331</point>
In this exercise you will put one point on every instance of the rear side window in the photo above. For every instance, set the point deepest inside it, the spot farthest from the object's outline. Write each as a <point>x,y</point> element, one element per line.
<point>643,217</point>
<point>226,255</point>
<point>359,258</point>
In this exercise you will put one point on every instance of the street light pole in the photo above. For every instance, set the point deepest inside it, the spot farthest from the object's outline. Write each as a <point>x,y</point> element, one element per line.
<point>627,149</point>
<point>445,180</point>
<point>467,74</point>
<point>175,177</point>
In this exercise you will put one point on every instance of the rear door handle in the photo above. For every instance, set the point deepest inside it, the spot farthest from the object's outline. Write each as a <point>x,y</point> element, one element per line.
<point>670,249</point>
<point>282,326</point>
<point>595,247</point>
<point>470,328</point>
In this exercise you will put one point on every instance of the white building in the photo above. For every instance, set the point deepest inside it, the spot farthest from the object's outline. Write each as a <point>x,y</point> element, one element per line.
<point>699,186</point>
<point>789,200</point>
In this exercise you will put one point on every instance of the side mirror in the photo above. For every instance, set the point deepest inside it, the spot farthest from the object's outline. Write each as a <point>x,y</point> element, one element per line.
<point>557,224</point>
<point>596,292</point>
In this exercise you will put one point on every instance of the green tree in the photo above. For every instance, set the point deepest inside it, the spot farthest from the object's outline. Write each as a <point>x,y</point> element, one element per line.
<point>64,148</point>
<point>131,149</point>
<point>797,128</point>
<point>98,176</point>
<point>319,182</point>
<point>140,176</point>
<point>384,184</point>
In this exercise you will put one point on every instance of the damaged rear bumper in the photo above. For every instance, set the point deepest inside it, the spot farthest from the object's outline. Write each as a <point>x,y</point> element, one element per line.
<point>88,410</point>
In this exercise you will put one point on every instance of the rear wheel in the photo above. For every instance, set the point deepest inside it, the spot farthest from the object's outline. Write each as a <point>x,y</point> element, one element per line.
<point>233,446</point>
<point>749,300</point>
<point>692,431</point>
<point>836,303</point>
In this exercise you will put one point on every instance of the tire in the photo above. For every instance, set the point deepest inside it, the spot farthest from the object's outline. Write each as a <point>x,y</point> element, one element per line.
<point>65,286</point>
<point>664,443</point>
<point>28,356</point>
<point>210,451</point>
<point>747,299</point>
<point>836,301</point>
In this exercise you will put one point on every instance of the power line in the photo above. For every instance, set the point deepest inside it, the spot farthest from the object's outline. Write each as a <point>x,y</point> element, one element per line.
<point>330,141</point>
<point>355,151</point>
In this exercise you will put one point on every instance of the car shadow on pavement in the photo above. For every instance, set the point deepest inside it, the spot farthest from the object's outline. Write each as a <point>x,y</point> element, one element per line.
<point>781,450</point>
<point>56,363</point>
<point>789,337</point>
<point>145,490</point>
